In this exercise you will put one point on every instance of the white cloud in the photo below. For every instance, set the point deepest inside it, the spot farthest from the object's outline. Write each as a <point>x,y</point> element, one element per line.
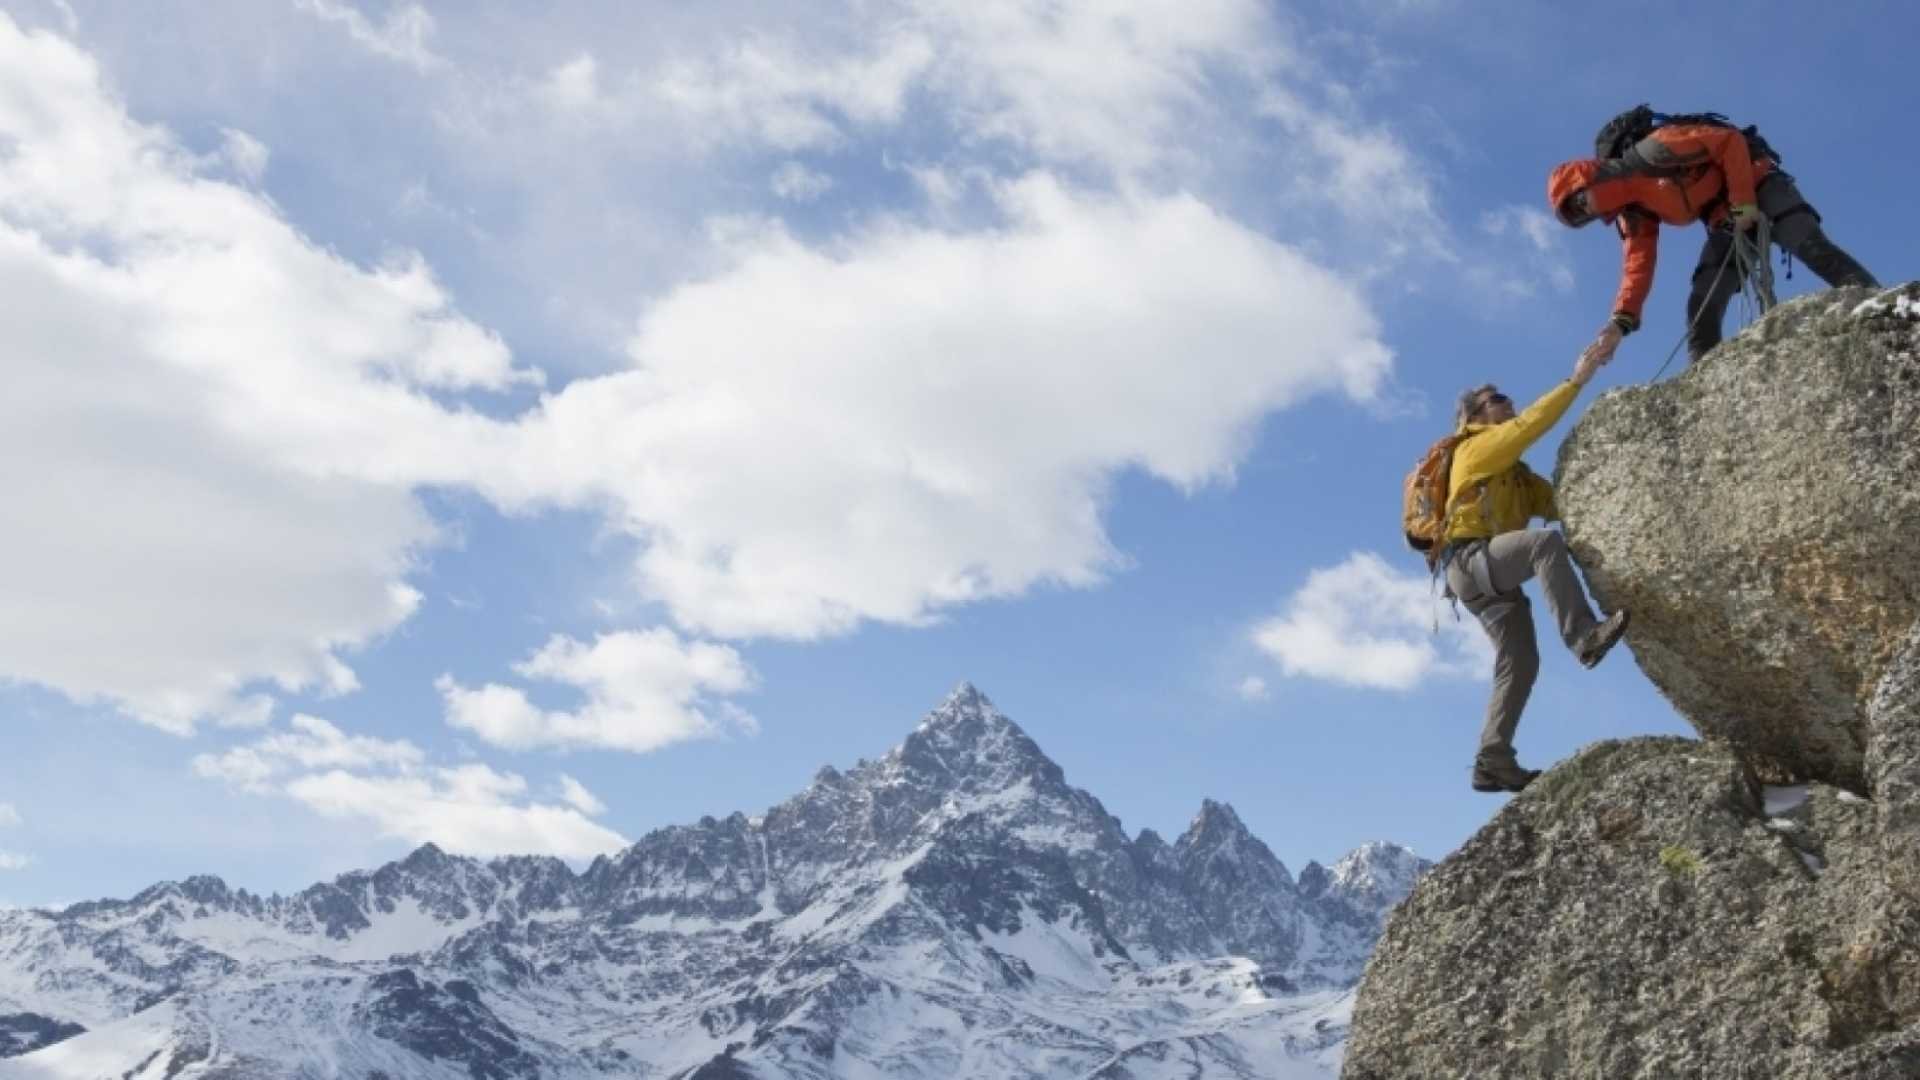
<point>11,861</point>
<point>797,183</point>
<point>576,795</point>
<point>217,426</point>
<point>244,154</point>
<point>312,744</point>
<point>211,424</point>
<point>471,810</point>
<point>644,689</point>
<point>917,418</point>
<point>1253,688</point>
<point>1363,624</point>
<point>573,87</point>
<point>401,36</point>
<point>1367,173</point>
<point>770,92</point>
<point>9,816</point>
<point>1529,248</point>
<point>1110,85</point>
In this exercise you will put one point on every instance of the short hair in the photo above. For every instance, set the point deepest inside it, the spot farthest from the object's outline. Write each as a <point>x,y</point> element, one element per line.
<point>1470,403</point>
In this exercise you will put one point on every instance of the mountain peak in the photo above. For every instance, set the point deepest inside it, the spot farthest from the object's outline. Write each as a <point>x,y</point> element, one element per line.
<point>963,703</point>
<point>426,858</point>
<point>1214,826</point>
<point>966,736</point>
<point>1378,869</point>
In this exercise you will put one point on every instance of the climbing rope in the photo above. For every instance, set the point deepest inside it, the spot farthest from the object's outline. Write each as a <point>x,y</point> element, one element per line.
<point>1725,261</point>
<point>1756,282</point>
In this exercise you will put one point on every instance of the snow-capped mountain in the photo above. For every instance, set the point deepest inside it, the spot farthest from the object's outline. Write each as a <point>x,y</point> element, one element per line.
<point>954,909</point>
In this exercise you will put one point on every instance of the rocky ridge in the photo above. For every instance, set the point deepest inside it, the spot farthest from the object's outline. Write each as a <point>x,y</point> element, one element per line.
<point>952,908</point>
<point>1746,905</point>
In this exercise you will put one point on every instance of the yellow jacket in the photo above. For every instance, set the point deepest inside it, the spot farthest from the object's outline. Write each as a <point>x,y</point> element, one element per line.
<point>1513,494</point>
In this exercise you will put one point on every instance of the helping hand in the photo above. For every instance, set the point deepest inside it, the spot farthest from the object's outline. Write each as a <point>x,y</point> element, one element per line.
<point>1604,343</point>
<point>1588,363</point>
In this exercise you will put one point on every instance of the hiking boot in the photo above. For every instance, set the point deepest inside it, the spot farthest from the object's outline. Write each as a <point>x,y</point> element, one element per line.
<point>1507,776</point>
<point>1593,647</point>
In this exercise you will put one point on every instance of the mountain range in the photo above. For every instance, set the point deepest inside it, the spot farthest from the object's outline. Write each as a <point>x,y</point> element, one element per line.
<point>952,909</point>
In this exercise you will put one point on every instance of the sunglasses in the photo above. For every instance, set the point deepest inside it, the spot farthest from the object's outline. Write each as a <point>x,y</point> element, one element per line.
<point>1573,211</point>
<point>1493,399</point>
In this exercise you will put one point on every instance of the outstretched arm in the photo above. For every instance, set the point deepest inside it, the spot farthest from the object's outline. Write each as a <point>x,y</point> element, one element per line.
<point>1639,252</point>
<point>1496,449</point>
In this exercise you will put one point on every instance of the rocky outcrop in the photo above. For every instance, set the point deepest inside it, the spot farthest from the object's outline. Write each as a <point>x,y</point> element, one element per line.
<point>1760,516</point>
<point>1746,905</point>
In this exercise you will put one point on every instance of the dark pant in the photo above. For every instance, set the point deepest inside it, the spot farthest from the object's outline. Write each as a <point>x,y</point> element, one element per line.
<point>1796,229</point>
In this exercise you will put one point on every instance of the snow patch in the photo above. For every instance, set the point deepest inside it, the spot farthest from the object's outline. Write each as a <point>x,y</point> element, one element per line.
<point>1053,953</point>
<point>1781,799</point>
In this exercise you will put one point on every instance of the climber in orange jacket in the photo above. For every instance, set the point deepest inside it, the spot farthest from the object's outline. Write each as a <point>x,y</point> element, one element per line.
<point>1679,174</point>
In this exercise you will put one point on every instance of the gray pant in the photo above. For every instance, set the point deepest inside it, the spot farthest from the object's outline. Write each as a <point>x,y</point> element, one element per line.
<point>1486,577</point>
<point>1796,229</point>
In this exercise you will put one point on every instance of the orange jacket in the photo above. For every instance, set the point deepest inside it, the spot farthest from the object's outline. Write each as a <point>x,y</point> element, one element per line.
<point>1677,175</point>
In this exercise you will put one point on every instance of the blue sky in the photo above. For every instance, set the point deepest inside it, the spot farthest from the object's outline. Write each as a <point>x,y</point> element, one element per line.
<point>524,432</point>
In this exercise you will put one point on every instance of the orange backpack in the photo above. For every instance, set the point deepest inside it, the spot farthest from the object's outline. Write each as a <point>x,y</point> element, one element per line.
<point>1423,510</point>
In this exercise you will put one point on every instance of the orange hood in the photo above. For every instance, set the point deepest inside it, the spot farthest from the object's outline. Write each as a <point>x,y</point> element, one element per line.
<point>1567,178</point>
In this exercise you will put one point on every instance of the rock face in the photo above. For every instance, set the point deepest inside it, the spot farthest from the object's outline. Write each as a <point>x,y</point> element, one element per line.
<point>1747,905</point>
<point>954,908</point>
<point>1758,516</point>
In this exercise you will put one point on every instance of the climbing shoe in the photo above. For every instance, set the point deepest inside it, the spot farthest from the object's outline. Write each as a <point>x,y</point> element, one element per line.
<point>1503,777</point>
<point>1593,648</point>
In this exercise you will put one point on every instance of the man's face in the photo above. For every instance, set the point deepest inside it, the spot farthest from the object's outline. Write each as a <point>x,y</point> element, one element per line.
<point>1576,210</point>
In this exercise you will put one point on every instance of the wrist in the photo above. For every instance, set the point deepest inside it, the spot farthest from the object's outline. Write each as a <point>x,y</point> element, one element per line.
<point>1624,322</point>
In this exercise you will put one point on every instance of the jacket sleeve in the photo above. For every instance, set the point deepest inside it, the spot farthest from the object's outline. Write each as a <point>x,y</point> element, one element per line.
<point>1639,251</point>
<point>1498,448</point>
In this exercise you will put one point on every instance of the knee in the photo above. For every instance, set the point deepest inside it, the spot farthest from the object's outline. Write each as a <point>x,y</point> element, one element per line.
<point>1522,666</point>
<point>1518,663</point>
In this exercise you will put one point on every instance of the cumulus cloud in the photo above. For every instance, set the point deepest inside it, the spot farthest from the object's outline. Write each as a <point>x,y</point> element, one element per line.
<point>1103,84</point>
<point>766,91</point>
<point>10,818</point>
<point>797,183</point>
<point>470,809</point>
<point>644,690</point>
<point>244,154</point>
<point>217,426</point>
<point>1107,85</point>
<point>576,795</point>
<point>188,378</point>
<point>1253,688</point>
<point>1366,173</point>
<point>402,35</point>
<point>1363,624</point>
<point>920,418</point>
<point>1529,249</point>
<point>311,744</point>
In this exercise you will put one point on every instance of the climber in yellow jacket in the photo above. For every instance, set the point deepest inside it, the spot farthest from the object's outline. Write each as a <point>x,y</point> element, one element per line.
<point>1491,552</point>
